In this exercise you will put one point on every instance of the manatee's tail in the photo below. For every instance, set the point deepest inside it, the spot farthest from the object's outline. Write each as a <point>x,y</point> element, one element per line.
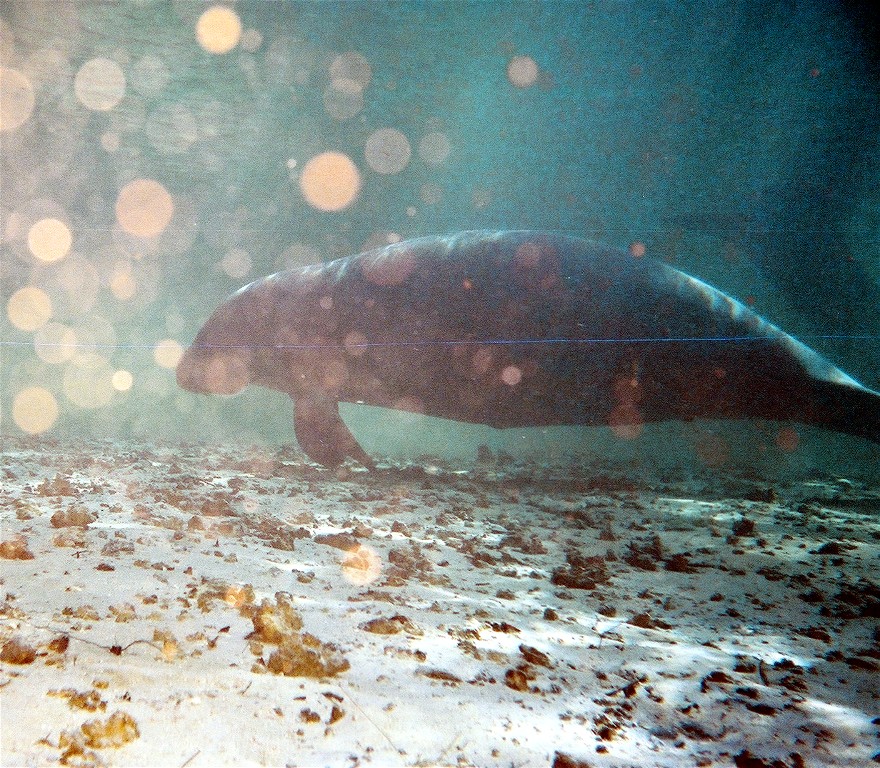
<point>842,407</point>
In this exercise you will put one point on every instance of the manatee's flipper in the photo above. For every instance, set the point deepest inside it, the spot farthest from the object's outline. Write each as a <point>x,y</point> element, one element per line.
<point>322,434</point>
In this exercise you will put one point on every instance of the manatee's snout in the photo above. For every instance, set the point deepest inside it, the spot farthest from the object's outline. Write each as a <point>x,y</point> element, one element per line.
<point>214,371</point>
<point>219,362</point>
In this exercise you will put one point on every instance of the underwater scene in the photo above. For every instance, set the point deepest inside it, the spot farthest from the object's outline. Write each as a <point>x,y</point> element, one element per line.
<point>439,383</point>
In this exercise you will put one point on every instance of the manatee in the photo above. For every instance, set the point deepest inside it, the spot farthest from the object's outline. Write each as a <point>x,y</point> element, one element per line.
<point>513,329</point>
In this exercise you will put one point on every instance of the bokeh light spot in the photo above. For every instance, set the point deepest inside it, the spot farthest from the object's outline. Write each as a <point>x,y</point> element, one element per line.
<point>787,439</point>
<point>35,410</point>
<point>251,40</point>
<point>637,249</point>
<point>511,375</point>
<point>150,75</point>
<point>110,141</point>
<point>434,148</point>
<point>16,99</point>
<point>431,194</point>
<point>122,283</point>
<point>379,239</point>
<point>343,100</point>
<point>352,69</point>
<point>225,374</point>
<point>167,353</point>
<point>361,565</point>
<point>522,71</point>
<point>354,343</point>
<point>49,240</point>
<point>100,84</point>
<point>389,268</point>
<point>144,208</point>
<point>122,380</point>
<point>236,263</point>
<point>481,361</point>
<point>172,128</point>
<point>87,381</point>
<point>55,343</point>
<point>29,308</point>
<point>330,181</point>
<point>387,151</point>
<point>218,29</point>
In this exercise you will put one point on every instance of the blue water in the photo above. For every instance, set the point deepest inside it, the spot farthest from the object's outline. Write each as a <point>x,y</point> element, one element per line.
<point>735,140</point>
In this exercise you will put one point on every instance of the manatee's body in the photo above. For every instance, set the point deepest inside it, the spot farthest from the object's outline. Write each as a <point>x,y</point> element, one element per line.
<point>512,329</point>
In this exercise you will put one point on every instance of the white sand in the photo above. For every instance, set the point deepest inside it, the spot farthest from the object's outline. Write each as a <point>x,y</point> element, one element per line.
<point>767,648</point>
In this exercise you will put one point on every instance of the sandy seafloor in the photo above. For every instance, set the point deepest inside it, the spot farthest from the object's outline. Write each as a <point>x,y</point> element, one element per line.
<point>201,606</point>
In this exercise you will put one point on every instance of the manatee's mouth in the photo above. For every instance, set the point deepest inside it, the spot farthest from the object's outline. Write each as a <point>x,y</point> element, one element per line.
<point>214,371</point>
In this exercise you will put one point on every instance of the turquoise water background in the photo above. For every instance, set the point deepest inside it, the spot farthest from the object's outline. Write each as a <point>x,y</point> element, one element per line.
<point>736,140</point>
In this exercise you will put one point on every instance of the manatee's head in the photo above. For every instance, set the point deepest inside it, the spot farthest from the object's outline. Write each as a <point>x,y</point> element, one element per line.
<point>219,360</point>
<point>278,332</point>
<point>227,353</point>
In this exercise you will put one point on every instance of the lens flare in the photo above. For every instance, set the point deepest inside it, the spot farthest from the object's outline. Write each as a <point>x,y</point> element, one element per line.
<point>99,84</point>
<point>434,148</point>
<point>16,99</point>
<point>522,71</point>
<point>144,208</point>
<point>167,353</point>
<point>49,240</point>
<point>387,151</point>
<point>88,381</point>
<point>330,181</point>
<point>122,380</point>
<point>35,410</point>
<point>218,29</point>
<point>361,565</point>
<point>55,343</point>
<point>29,308</point>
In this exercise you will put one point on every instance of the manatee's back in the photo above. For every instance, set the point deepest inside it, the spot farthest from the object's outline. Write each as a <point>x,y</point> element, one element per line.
<point>526,328</point>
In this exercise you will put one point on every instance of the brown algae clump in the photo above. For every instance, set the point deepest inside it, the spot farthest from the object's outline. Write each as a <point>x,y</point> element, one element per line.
<point>298,654</point>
